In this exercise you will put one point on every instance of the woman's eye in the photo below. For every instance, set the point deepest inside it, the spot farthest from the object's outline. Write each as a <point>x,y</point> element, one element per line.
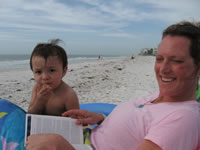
<point>178,61</point>
<point>159,59</point>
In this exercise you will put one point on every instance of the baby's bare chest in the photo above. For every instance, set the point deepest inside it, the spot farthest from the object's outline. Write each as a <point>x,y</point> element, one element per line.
<point>55,106</point>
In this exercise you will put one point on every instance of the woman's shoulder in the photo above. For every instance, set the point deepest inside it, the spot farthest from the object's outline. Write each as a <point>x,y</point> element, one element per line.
<point>186,108</point>
<point>186,113</point>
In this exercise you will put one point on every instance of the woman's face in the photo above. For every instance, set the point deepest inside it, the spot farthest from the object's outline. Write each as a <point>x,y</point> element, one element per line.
<point>176,73</point>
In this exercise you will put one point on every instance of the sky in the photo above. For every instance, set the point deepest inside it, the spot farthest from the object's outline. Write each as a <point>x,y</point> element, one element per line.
<point>90,27</point>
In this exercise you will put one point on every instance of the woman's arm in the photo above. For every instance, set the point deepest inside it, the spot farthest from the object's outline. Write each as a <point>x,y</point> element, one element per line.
<point>84,116</point>
<point>148,145</point>
<point>47,142</point>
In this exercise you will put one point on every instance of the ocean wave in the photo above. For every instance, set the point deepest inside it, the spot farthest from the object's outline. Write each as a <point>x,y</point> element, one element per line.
<point>23,63</point>
<point>14,64</point>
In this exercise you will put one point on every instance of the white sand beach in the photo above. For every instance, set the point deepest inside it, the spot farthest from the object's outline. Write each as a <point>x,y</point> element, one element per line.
<point>109,80</point>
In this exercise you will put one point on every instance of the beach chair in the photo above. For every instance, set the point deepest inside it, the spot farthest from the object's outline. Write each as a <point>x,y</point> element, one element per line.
<point>12,126</point>
<point>102,108</point>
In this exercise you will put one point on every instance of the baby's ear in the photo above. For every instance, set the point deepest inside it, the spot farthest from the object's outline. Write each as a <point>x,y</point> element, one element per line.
<point>64,71</point>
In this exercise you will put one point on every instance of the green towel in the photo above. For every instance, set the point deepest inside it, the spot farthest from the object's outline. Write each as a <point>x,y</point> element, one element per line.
<point>198,93</point>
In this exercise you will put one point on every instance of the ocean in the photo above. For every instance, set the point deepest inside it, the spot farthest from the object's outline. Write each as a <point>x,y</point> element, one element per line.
<point>22,61</point>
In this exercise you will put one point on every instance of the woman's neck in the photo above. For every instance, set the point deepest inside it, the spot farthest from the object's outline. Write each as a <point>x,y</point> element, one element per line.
<point>162,98</point>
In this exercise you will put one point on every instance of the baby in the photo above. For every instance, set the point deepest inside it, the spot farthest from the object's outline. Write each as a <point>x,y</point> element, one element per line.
<point>50,94</point>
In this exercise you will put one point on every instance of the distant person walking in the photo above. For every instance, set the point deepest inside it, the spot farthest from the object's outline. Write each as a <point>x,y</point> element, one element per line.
<point>100,57</point>
<point>132,57</point>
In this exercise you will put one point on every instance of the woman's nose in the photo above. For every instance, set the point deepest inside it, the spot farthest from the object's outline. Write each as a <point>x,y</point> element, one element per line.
<point>165,68</point>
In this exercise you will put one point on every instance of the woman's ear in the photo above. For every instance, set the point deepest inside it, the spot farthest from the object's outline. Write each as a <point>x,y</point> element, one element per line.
<point>198,72</point>
<point>198,69</point>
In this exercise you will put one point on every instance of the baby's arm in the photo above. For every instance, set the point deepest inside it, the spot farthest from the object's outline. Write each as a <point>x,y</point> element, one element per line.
<point>40,96</point>
<point>71,101</point>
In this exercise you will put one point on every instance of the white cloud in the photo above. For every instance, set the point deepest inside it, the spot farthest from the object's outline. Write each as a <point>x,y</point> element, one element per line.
<point>119,35</point>
<point>113,13</point>
<point>108,18</point>
<point>173,10</point>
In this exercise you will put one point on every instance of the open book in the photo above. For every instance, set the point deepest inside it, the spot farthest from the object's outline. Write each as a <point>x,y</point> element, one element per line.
<point>37,124</point>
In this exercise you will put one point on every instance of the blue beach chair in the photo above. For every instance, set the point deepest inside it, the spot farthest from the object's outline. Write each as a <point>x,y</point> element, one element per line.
<point>102,108</point>
<point>12,126</point>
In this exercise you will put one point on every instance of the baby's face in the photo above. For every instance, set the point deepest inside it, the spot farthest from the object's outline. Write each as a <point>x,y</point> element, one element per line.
<point>48,72</point>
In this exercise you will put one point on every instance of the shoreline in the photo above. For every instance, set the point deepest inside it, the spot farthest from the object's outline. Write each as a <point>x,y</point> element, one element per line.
<point>112,80</point>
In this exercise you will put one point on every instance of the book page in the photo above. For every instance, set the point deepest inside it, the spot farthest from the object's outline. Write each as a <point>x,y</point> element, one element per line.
<point>82,147</point>
<point>36,124</point>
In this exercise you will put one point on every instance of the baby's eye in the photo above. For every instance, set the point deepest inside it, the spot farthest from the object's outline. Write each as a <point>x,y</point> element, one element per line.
<point>37,72</point>
<point>52,70</point>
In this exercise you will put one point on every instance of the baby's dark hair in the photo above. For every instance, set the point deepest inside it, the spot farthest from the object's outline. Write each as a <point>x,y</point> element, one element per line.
<point>50,49</point>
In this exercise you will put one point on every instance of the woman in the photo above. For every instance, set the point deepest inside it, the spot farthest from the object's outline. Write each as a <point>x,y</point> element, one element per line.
<point>166,120</point>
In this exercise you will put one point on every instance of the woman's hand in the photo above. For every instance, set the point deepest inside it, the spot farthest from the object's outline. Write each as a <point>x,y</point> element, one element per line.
<point>47,142</point>
<point>84,117</point>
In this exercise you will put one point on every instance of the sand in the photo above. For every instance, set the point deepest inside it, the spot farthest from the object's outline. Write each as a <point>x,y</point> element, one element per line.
<point>113,80</point>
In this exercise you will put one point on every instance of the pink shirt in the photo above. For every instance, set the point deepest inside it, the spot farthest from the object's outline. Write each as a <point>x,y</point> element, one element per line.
<point>172,126</point>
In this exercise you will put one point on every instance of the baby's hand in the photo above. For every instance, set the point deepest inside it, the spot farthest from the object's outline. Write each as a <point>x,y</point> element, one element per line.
<point>46,90</point>
<point>43,91</point>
